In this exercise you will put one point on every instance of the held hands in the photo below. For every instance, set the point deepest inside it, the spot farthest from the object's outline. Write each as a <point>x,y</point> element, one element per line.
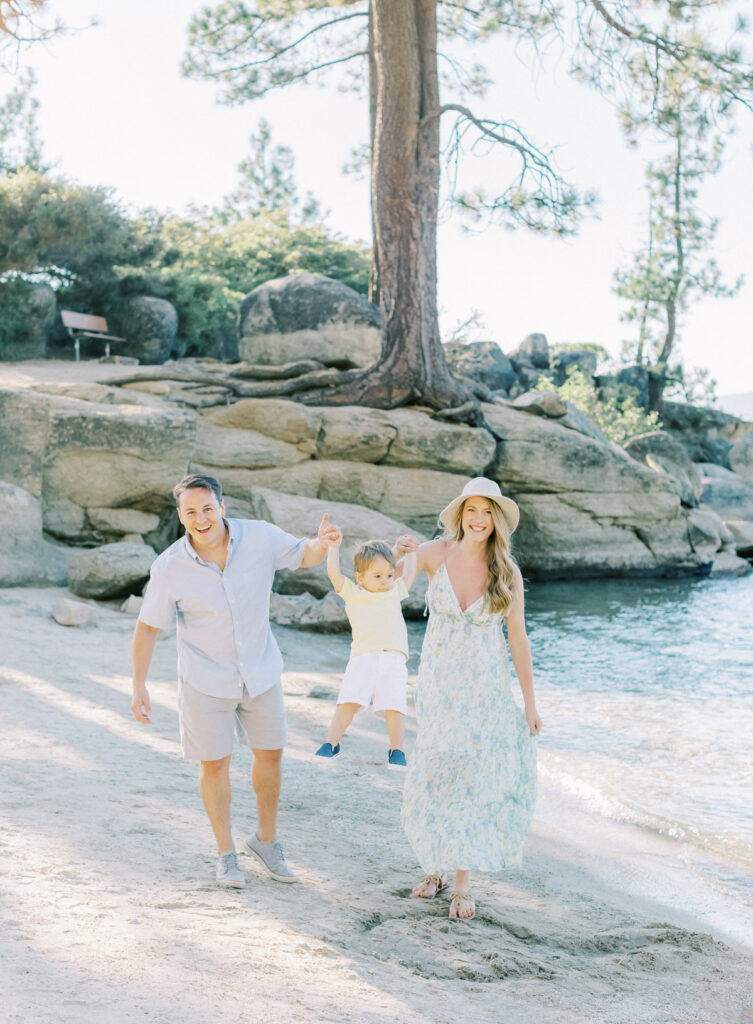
<point>534,722</point>
<point>406,543</point>
<point>328,535</point>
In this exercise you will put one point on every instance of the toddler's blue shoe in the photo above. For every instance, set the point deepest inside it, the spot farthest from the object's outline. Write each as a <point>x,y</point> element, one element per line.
<point>396,761</point>
<point>327,750</point>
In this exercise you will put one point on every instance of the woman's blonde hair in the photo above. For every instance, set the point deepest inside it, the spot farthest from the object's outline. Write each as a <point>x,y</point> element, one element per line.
<point>500,564</point>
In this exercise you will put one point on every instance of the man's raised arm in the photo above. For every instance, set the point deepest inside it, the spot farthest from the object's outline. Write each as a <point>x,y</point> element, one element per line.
<point>316,550</point>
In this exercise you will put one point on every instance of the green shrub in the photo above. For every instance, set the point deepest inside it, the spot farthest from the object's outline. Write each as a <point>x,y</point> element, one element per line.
<point>616,411</point>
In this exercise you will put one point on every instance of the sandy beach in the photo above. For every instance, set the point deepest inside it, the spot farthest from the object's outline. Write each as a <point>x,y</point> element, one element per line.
<point>110,911</point>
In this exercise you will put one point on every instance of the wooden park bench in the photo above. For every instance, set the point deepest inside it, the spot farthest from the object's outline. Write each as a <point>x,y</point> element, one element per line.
<point>81,325</point>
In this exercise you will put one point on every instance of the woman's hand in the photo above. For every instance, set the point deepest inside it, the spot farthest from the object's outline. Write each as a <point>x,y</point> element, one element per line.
<point>534,722</point>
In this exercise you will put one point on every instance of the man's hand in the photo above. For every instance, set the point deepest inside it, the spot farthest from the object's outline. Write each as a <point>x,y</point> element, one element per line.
<point>316,550</point>
<point>141,705</point>
<point>328,534</point>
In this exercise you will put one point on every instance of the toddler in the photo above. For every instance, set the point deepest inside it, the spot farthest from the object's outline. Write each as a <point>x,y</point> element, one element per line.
<point>377,668</point>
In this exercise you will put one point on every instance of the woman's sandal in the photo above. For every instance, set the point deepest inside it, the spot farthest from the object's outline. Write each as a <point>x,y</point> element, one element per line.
<point>438,879</point>
<point>457,898</point>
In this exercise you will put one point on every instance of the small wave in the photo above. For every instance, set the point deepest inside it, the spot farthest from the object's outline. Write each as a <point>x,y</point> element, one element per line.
<point>600,799</point>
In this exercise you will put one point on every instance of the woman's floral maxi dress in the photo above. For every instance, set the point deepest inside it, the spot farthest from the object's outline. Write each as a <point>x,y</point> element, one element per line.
<point>470,788</point>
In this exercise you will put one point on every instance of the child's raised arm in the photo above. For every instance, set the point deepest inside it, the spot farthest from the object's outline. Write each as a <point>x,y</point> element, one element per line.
<point>409,565</point>
<point>333,564</point>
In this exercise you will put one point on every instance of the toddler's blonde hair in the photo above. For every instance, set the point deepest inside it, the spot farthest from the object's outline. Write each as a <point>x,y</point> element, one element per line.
<point>372,549</point>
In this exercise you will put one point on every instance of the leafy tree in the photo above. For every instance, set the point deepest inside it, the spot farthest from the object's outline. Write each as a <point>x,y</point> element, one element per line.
<point>66,233</point>
<point>267,183</point>
<point>679,96</point>
<point>615,412</point>
<point>20,145</point>
<point>250,49</point>
<point>23,22</point>
<point>204,266</point>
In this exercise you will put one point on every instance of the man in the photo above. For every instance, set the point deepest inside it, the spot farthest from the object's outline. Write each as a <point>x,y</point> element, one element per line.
<point>217,580</point>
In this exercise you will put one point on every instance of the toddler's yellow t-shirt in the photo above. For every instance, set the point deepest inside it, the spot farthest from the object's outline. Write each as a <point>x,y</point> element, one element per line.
<point>375,618</point>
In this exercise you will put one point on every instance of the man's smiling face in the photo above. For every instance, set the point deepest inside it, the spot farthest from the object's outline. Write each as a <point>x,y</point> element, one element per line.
<point>201,514</point>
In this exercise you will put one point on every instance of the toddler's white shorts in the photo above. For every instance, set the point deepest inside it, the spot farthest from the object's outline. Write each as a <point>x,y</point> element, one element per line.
<point>379,676</point>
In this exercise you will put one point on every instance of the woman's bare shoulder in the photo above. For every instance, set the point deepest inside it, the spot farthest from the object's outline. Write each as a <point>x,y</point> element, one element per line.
<point>431,554</point>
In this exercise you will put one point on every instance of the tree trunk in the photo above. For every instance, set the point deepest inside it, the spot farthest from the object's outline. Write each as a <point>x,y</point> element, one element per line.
<point>405,195</point>
<point>659,377</point>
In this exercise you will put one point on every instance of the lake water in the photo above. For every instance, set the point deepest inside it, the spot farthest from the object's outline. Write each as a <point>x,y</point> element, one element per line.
<point>646,691</point>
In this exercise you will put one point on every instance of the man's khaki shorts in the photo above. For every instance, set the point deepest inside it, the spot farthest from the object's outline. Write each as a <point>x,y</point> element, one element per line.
<point>210,725</point>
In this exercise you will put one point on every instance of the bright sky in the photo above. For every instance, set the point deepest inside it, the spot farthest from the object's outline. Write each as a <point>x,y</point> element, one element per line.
<point>116,111</point>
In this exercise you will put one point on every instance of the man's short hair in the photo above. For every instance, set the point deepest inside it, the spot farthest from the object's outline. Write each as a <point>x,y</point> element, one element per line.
<point>372,549</point>
<point>194,480</point>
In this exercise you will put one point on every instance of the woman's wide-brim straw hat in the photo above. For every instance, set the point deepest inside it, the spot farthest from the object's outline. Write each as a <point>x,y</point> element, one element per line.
<point>481,487</point>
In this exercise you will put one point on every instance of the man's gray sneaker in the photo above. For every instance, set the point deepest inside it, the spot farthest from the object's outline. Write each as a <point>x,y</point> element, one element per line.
<point>271,857</point>
<point>228,872</point>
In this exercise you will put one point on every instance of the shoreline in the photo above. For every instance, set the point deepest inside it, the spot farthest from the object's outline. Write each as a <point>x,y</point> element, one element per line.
<point>112,914</point>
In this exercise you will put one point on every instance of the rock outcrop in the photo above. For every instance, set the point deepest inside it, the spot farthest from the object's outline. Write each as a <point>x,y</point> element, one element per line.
<point>741,456</point>
<point>483,361</point>
<point>113,570</point>
<point>301,516</point>
<point>663,453</point>
<point>728,494</point>
<point>308,316</point>
<point>586,508</point>
<point>26,558</point>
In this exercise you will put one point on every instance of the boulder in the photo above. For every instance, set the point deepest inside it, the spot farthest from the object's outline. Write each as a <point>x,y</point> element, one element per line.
<point>132,605</point>
<point>35,307</point>
<point>112,570</point>
<point>122,520</point>
<point>275,417</point>
<point>706,434</point>
<point>586,508</point>
<point>412,496</point>
<point>562,359</point>
<point>74,613</point>
<point>301,517</point>
<point>398,437</point>
<point>482,361</point>
<point>352,432</point>
<point>308,316</point>
<point>228,446</point>
<point>662,452</point>
<point>149,325</point>
<point>729,495</point>
<point>429,444</point>
<point>742,536</point>
<point>24,427</point>
<point>541,403</point>
<point>532,351</point>
<point>726,564</point>
<point>634,377</point>
<point>741,456</point>
<point>577,420</point>
<point>706,531</point>
<point>527,378</point>
<point>26,559</point>
<point>101,456</point>
<point>304,611</point>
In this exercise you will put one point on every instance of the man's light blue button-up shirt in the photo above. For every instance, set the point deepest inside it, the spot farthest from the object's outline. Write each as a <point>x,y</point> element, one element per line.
<point>224,639</point>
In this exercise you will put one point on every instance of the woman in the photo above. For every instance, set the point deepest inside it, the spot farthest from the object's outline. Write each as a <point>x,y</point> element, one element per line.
<point>471,782</point>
